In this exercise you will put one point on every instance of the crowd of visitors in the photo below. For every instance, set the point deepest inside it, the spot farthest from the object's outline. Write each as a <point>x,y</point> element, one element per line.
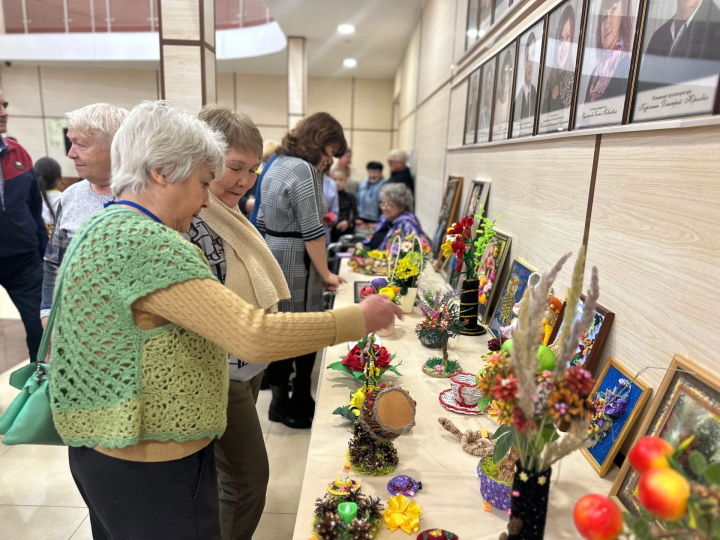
<point>144,326</point>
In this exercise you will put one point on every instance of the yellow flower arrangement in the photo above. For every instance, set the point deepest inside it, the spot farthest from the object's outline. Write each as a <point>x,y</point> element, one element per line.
<point>378,255</point>
<point>402,514</point>
<point>406,269</point>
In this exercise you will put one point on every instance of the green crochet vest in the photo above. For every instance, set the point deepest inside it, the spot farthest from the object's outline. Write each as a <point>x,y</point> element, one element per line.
<point>112,383</point>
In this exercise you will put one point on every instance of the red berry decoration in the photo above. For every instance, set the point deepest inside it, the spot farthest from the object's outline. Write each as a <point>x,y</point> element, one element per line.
<point>650,453</point>
<point>597,517</point>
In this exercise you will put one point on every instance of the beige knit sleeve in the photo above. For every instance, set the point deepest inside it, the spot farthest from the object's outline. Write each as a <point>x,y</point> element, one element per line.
<point>219,315</point>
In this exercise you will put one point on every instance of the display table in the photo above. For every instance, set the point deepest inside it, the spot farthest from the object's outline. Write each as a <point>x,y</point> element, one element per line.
<point>450,497</point>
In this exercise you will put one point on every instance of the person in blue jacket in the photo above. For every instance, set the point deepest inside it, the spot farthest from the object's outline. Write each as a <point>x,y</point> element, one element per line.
<point>23,235</point>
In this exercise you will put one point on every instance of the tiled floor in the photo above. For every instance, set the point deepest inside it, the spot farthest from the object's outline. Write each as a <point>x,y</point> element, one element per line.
<point>39,500</point>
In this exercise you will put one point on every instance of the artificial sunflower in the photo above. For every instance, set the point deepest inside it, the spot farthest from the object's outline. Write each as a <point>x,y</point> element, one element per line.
<point>357,401</point>
<point>406,269</point>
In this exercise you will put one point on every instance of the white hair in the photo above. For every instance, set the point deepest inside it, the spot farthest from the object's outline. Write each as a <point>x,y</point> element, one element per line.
<point>157,136</point>
<point>399,155</point>
<point>99,119</point>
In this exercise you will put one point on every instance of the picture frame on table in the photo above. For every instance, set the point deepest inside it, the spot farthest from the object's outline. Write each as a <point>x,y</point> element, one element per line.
<point>677,71</point>
<point>687,403</point>
<point>616,384</point>
<point>606,63</point>
<point>562,38</point>
<point>512,291</point>
<point>448,209</point>
<point>589,349</point>
<point>492,264</point>
<point>454,279</point>
<point>357,287</point>
<point>477,198</point>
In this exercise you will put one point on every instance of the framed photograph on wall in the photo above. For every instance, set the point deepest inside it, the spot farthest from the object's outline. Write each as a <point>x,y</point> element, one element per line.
<point>471,34</point>
<point>512,292</point>
<point>448,209</point>
<point>489,272</point>
<point>504,93</point>
<point>486,17</point>
<point>558,79</point>
<point>471,107</point>
<point>687,403</point>
<point>501,8</point>
<point>608,50</point>
<point>619,399</point>
<point>527,79</point>
<point>679,61</point>
<point>487,93</point>
<point>592,340</point>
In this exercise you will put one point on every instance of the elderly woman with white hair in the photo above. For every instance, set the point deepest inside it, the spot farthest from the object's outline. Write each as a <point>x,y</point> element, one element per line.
<point>142,328</point>
<point>396,203</point>
<point>91,131</point>
<point>399,172</point>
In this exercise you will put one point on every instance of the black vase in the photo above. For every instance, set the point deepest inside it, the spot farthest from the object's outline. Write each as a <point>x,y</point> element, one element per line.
<point>529,504</point>
<point>469,308</point>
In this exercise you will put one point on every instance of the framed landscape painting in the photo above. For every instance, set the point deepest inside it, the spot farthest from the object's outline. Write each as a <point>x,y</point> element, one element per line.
<point>489,272</point>
<point>512,292</point>
<point>592,340</point>
<point>448,208</point>
<point>687,403</point>
<point>619,398</point>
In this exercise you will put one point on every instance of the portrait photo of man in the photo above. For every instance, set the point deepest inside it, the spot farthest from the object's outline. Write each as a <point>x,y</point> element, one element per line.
<point>693,32</point>
<point>526,98</point>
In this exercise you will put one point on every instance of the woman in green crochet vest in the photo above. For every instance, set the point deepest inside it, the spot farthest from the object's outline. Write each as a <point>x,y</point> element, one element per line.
<point>139,388</point>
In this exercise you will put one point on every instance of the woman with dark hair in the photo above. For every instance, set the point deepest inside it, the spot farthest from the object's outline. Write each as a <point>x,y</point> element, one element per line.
<point>291,213</point>
<point>503,99</point>
<point>613,41</point>
<point>48,172</point>
<point>561,81</point>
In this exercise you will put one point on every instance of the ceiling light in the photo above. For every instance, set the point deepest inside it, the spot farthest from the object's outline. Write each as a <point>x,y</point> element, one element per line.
<point>349,62</point>
<point>346,29</point>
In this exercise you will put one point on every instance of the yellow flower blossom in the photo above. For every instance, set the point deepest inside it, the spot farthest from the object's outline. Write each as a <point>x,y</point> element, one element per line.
<point>402,514</point>
<point>387,291</point>
<point>405,269</point>
<point>447,249</point>
<point>357,401</point>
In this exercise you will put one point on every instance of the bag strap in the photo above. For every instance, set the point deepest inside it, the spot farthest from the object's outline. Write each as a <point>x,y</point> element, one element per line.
<point>57,298</point>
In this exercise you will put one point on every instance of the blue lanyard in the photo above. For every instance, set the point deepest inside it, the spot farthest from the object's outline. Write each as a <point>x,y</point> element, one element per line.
<point>134,205</point>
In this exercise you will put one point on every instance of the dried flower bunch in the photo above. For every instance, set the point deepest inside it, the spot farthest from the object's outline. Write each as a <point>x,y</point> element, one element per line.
<point>431,303</point>
<point>527,400</point>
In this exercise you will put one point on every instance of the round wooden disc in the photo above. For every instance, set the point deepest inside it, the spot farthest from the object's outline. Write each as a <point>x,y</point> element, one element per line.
<point>395,410</point>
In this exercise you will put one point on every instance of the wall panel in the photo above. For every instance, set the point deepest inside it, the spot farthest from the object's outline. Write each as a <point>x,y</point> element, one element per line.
<point>21,87</point>
<point>263,98</point>
<point>29,133</point>
<point>655,236</point>
<point>458,101</point>
<point>370,146</point>
<point>436,54</point>
<point>432,121</point>
<point>460,29</point>
<point>373,104</point>
<point>225,90</point>
<point>406,134</point>
<point>409,71</point>
<point>333,96</point>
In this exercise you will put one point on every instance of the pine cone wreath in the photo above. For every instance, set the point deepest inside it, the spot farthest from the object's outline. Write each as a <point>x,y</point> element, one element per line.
<point>361,529</point>
<point>372,507</point>
<point>328,527</point>
<point>328,504</point>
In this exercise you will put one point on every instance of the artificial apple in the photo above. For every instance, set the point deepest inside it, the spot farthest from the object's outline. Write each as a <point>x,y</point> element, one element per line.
<point>664,493</point>
<point>546,358</point>
<point>507,346</point>
<point>650,453</point>
<point>597,517</point>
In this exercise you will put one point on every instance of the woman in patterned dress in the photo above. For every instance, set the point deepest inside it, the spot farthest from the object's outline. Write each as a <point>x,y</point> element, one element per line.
<point>291,214</point>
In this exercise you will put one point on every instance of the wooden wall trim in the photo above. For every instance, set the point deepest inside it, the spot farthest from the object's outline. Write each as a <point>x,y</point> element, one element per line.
<point>591,192</point>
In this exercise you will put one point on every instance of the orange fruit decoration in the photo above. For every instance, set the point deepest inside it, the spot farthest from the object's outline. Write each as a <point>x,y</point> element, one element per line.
<point>664,493</point>
<point>650,453</point>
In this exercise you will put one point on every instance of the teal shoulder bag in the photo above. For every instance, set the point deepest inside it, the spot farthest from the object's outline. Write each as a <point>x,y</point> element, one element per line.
<point>28,419</point>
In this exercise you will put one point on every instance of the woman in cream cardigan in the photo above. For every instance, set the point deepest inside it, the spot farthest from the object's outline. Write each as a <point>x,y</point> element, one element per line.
<point>241,260</point>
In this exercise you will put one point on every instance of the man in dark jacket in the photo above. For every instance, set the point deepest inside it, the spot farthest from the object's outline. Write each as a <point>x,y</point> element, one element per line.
<point>399,170</point>
<point>23,235</point>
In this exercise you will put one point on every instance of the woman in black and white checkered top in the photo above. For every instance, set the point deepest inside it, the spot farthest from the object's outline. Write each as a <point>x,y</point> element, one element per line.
<point>291,214</point>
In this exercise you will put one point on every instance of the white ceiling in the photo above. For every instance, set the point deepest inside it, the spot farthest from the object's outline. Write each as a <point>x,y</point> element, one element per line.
<point>382,32</point>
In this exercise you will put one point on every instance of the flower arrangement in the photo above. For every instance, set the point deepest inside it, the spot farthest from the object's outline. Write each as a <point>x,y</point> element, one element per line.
<point>608,405</point>
<point>381,286</point>
<point>431,303</point>
<point>677,502</point>
<point>459,241</point>
<point>328,524</point>
<point>410,254</point>
<point>436,332</point>
<point>369,261</point>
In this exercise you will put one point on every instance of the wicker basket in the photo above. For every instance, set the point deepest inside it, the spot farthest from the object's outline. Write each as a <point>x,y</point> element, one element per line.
<point>388,413</point>
<point>464,387</point>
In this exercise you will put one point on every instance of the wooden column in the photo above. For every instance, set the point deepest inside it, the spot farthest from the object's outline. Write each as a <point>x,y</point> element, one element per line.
<point>187,53</point>
<point>297,80</point>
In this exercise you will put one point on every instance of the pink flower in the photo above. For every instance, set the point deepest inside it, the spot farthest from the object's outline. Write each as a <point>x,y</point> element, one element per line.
<point>438,368</point>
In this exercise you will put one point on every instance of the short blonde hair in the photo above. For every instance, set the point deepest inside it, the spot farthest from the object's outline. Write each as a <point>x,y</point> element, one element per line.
<point>399,155</point>
<point>335,169</point>
<point>269,148</point>
<point>102,120</point>
<point>239,130</point>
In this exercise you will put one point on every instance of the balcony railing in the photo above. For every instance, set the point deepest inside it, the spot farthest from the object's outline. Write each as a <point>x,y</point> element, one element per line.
<point>65,16</point>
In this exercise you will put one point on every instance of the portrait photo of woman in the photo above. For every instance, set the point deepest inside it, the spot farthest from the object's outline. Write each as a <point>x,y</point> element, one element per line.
<point>503,94</point>
<point>559,75</point>
<point>471,107</point>
<point>606,62</point>
<point>486,101</point>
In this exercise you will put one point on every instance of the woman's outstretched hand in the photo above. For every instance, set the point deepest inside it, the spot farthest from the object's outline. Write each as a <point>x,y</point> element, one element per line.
<point>333,281</point>
<point>379,312</point>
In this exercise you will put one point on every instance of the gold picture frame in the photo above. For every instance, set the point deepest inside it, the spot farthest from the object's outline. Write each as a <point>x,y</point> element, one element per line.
<point>688,385</point>
<point>613,368</point>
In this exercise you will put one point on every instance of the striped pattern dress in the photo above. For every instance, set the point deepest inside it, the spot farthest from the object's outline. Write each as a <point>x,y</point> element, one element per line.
<point>291,214</point>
